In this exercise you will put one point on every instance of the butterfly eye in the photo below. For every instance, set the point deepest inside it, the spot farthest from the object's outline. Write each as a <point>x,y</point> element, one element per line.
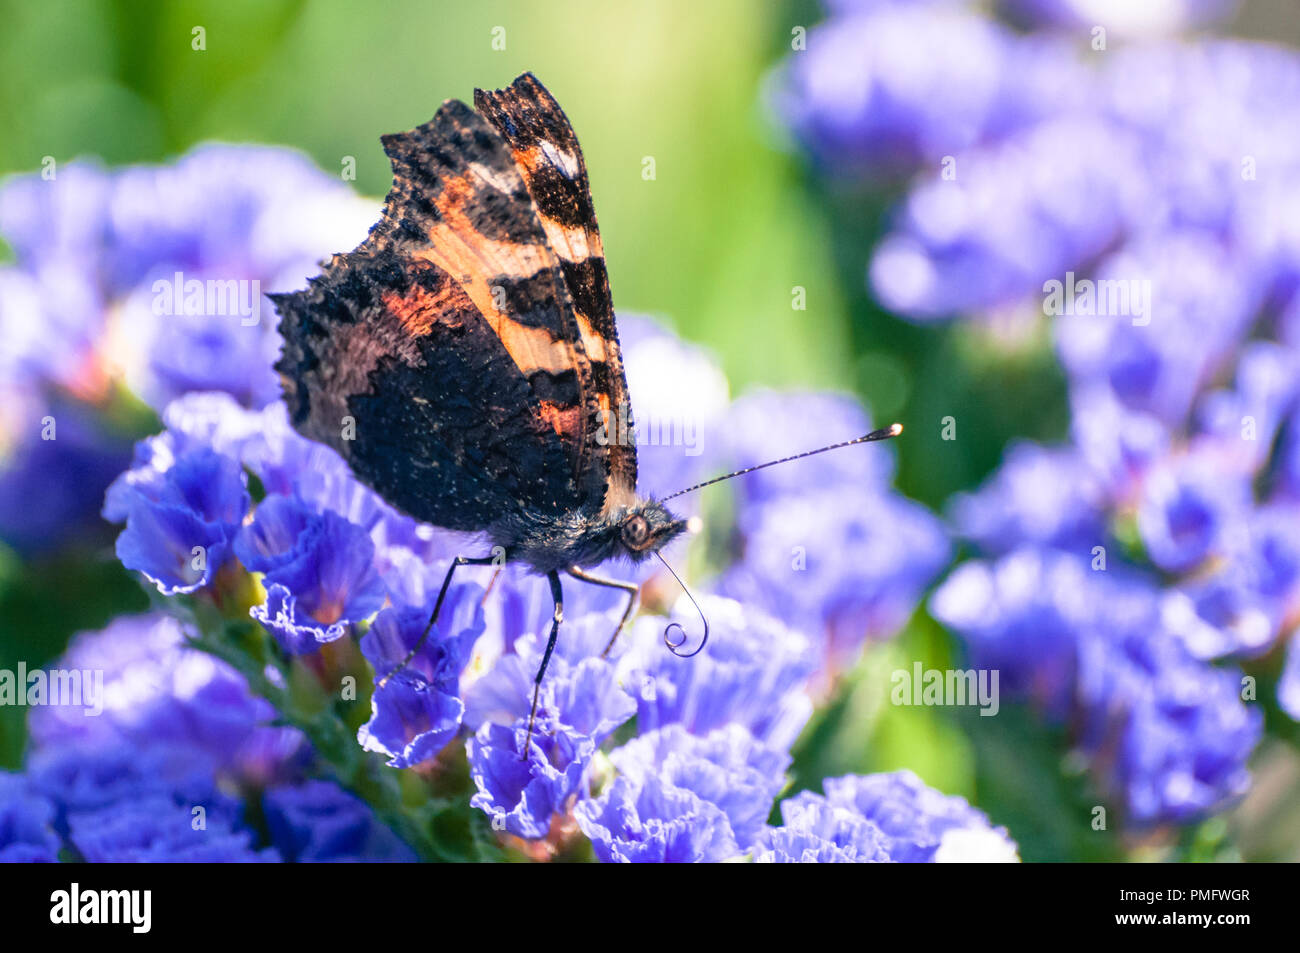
<point>636,532</point>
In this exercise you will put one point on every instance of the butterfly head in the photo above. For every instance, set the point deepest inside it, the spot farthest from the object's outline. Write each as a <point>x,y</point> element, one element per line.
<point>646,527</point>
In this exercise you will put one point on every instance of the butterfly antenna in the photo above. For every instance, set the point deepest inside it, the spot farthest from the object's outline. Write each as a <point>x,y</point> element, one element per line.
<point>893,430</point>
<point>674,646</point>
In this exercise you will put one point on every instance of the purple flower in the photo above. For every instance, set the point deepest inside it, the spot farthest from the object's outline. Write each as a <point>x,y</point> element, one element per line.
<point>155,829</point>
<point>1188,507</point>
<point>1020,615</point>
<point>823,545</point>
<point>727,768</point>
<point>157,691</point>
<point>52,489</point>
<point>319,573</point>
<point>888,86</point>
<point>581,690</point>
<point>179,526</point>
<point>679,415</point>
<point>194,244</point>
<point>26,824</point>
<point>753,673</point>
<point>523,794</point>
<point>798,421</point>
<point>655,822</point>
<point>920,824</point>
<point>1175,731</point>
<point>1202,298</point>
<point>1030,209</point>
<point>1038,495</point>
<point>815,831</point>
<point>318,822</point>
<point>842,564</point>
<point>418,710</point>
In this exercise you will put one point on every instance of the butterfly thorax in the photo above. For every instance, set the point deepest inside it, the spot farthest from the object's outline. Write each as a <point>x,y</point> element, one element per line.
<point>586,537</point>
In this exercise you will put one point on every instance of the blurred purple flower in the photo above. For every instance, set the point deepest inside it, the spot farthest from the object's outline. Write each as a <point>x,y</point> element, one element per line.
<point>1189,506</point>
<point>318,822</point>
<point>1038,495</point>
<point>26,824</point>
<point>1174,732</point>
<point>155,829</point>
<point>1166,732</point>
<point>159,692</point>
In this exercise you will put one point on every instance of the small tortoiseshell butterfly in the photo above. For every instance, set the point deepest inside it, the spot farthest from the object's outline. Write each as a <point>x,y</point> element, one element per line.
<point>471,337</point>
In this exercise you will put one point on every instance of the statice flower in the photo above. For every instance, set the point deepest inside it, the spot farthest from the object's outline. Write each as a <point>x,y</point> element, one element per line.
<point>680,413</point>
<point>158,692</point>
<point>163,772</point>
<point>26,824</point>
<point>319,571</point>
<point>581,703</point>
<point>521,791</point>
<point>1040,495</point>
<point>753,673</point>
<point>920,824</point>
<point>1176,729</point>
<point>157,829</point>
<point>180,527</point>
<point>815,831</point>
<point>728,768</point>
<point>882,818</point>
<point>1167,733</point>
<point>318,822</point>
<point>884,86</point>
<point>417,709</point>
<point>150,276</point>
<point>655,822</point>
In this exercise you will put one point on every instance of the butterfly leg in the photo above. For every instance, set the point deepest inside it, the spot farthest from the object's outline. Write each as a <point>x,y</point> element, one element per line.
<point>437,606</point>
<point>631,588</point>
<point>556,619</point>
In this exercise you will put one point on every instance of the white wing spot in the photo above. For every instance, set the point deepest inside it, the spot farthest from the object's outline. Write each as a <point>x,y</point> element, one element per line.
<point>566,162</point>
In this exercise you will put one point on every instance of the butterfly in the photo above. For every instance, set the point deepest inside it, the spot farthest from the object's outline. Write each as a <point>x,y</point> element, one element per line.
<point>471,342</point>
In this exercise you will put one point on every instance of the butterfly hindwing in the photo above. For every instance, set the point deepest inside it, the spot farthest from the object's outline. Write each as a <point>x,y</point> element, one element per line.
<point>547,153</point>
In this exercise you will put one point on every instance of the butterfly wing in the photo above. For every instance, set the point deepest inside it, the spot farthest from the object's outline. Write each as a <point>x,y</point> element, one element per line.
<point>546,151</point>
<point>390,362</point>
<point>448,338</point>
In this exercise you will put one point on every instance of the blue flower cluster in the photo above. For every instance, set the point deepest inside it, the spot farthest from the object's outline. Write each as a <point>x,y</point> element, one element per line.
<point>1126,570</point>
<point>170,768</point>
<point>150,277</point>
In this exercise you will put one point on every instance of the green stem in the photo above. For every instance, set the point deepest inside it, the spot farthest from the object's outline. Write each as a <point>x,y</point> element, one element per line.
<point>359,771</point>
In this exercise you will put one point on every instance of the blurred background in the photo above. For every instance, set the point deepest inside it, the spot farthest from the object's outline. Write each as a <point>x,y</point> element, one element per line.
<point>773,173</point>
